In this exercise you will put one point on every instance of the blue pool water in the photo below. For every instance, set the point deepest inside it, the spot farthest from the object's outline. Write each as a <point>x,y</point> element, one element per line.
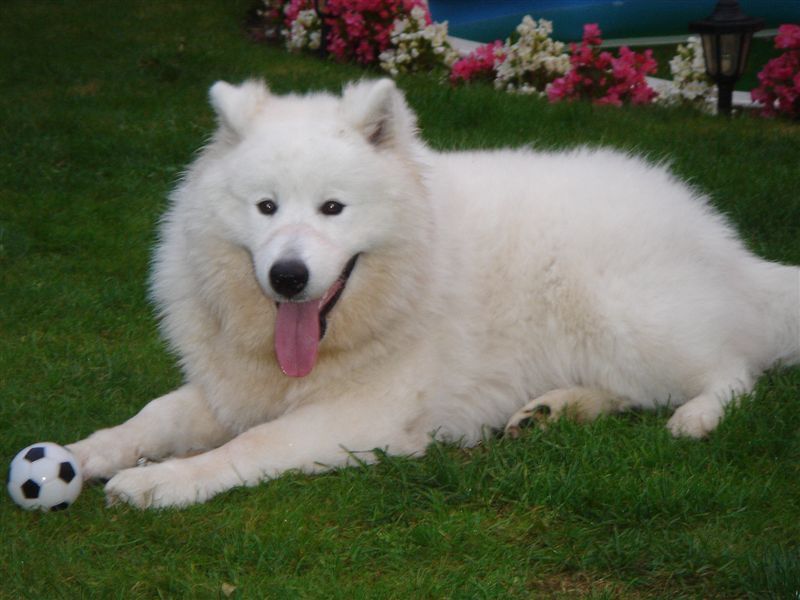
<point>485,21</point>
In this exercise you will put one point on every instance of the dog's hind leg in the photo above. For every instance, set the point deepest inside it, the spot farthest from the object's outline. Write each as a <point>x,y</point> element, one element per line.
<point>579,403</point>
<point>701,415</point>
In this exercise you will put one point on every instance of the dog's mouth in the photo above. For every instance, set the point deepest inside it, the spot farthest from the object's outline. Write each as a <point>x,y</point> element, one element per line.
<point>299,326</point>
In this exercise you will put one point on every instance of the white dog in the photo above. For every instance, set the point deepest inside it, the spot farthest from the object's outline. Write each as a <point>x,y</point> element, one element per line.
<point>332,286</point>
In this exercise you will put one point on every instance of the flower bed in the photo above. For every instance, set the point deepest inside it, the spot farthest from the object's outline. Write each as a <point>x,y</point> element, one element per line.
<point>691,85</point>
<point>603,78</point>
<point>400,37</point>
<point>779,81</point>
<point>417,44</point>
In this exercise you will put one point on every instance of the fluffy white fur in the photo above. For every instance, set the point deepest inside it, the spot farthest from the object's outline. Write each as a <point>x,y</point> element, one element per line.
<point>488,285</point>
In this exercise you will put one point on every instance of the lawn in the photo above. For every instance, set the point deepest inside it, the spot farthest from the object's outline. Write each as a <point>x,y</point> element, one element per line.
<point>103,104</point>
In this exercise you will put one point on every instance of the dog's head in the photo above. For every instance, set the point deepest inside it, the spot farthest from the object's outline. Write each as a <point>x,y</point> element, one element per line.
<point>318,190</point>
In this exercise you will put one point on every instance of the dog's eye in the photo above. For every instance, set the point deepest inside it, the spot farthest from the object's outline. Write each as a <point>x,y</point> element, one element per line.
<point>331,207</point>
<point>267,207</point>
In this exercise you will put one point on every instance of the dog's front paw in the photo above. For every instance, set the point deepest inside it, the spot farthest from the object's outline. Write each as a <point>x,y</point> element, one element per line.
<point>103,454</point>
<point>174,483</point>
<point>696,419</point>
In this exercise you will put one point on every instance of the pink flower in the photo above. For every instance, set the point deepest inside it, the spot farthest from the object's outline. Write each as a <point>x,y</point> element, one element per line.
<point>602,77</point>
<point>583,55</point>
<point>612,98</point>
<point>788,37</point>
<point>779,81</point>
<point>361,29</point>
<point>591,34</point>
<point>603,60</point>
<point>294,7</point>
<point>337,47</point>
<point>560,89</point>
<point>478,64</point>
<point>642,94</point>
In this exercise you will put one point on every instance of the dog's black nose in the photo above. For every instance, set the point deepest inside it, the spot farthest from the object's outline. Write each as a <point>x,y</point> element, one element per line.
<point>288,277</point>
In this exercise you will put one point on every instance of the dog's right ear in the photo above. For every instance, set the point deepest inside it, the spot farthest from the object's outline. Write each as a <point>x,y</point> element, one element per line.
<point>237,105</point>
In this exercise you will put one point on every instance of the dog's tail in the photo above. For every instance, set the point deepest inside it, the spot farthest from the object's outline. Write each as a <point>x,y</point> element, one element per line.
<point>786,304</point>
<point>795,358</point>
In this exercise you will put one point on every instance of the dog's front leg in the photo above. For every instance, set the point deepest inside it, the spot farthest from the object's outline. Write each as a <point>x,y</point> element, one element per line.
<point>312,438</point>
<point>174,424</point>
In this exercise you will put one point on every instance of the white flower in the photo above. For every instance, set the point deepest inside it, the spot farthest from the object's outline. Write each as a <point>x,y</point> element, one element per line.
<point>305,32</point>
<point>416,45</point>
<point>418,14</point>
<point>691,84</point>
<point>532,61</point>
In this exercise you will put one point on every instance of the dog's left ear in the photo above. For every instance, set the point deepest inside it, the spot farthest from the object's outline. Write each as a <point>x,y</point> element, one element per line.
<point>378,110</point>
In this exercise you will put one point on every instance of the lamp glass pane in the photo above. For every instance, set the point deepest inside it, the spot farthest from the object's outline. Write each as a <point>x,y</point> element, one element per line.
<point>744,51</point>
<point>729,44</point>
<point>710,53</point>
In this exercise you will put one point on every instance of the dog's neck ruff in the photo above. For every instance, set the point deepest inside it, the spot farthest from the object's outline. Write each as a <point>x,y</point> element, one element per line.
<point>299,327</point>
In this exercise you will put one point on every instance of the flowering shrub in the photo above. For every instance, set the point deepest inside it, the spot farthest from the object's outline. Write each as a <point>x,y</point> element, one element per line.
<point>302,26</point>
<point>601,77</point>
<point>479,64</point>
<point>400,34</point>
<point>417,44</point>
<point>691,85</point>
<point>271,14</point>
<point>359,30</point>
<point>295,22</point>
<point>533,61</point>
<point>779,81</point>
<point>362,29</point>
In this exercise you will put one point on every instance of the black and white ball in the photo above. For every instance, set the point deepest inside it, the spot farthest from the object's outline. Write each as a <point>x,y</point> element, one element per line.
<point>44,476</point>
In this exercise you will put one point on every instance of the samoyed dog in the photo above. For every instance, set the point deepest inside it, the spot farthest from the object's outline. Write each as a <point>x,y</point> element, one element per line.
<point>332,286</point>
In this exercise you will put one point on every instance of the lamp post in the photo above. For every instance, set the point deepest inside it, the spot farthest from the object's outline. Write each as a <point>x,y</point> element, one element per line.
<point>726,36</point>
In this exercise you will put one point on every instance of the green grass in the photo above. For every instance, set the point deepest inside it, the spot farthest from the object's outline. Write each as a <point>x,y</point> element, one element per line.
<point>103,103</point>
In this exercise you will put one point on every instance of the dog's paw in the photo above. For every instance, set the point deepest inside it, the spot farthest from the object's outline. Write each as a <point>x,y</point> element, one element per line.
<point>173,483</point>
<point>154,486</point>
<point>103,454</point>
<point>696,419</point>
<point>537,413</point>
<point>578,403</point>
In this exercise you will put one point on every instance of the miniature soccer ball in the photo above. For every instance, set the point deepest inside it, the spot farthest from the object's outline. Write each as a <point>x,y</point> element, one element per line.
<point>44,476</point>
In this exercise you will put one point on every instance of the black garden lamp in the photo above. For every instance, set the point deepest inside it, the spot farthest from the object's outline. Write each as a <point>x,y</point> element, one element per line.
<point>726,36</point>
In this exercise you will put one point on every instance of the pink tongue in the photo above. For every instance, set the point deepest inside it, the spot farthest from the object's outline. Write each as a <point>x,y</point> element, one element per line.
<point>297,336</point>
